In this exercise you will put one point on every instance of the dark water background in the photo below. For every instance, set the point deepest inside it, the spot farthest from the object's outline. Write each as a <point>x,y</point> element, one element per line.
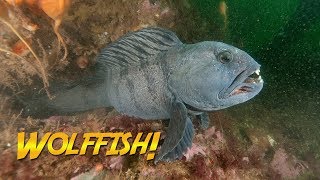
<point>284,37</point>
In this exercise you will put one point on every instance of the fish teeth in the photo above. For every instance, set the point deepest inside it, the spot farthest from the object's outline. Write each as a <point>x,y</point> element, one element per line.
<point>258,80</point>
<point>257,71</point>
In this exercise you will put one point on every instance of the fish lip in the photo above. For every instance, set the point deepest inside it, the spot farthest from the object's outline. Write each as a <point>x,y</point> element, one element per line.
<point>240,81</point>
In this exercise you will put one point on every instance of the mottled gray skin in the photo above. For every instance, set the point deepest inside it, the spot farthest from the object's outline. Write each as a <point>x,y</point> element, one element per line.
<point>172,83</point>
<point>191,72</point>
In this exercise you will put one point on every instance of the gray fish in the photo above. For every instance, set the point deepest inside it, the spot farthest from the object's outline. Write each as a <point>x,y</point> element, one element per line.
<point>151,74</point>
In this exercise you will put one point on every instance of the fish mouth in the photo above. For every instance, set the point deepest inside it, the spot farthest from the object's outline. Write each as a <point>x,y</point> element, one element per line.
<point>246,82</point>
<point>244,86</point>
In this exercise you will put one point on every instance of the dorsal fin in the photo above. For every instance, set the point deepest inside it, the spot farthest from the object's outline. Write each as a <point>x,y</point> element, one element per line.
<point>136,47</point>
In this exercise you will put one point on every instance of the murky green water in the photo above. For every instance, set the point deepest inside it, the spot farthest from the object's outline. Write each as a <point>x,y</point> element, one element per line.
<point>283,36</point>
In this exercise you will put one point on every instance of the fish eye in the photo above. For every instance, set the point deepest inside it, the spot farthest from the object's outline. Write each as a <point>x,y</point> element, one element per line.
<point>225,57</point>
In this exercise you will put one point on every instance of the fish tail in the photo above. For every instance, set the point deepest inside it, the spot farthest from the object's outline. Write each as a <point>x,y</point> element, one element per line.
<point>68,101</point>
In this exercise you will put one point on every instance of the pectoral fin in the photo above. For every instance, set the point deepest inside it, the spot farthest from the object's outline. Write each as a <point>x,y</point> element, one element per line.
<point>203,117</point>
<point>204,120</point>
<point>179,134</point>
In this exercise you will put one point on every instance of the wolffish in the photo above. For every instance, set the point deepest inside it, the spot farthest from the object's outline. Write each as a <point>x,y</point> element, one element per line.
<point>151,74</point>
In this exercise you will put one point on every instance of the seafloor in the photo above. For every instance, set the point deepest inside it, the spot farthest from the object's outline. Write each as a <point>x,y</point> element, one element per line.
<point>274,136</point>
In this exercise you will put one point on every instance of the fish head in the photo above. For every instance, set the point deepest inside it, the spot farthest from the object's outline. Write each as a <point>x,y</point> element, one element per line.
<point>214,75</point>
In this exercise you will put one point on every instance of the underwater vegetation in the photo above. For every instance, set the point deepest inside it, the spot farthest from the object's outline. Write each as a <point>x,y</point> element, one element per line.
<point>275,136</point>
